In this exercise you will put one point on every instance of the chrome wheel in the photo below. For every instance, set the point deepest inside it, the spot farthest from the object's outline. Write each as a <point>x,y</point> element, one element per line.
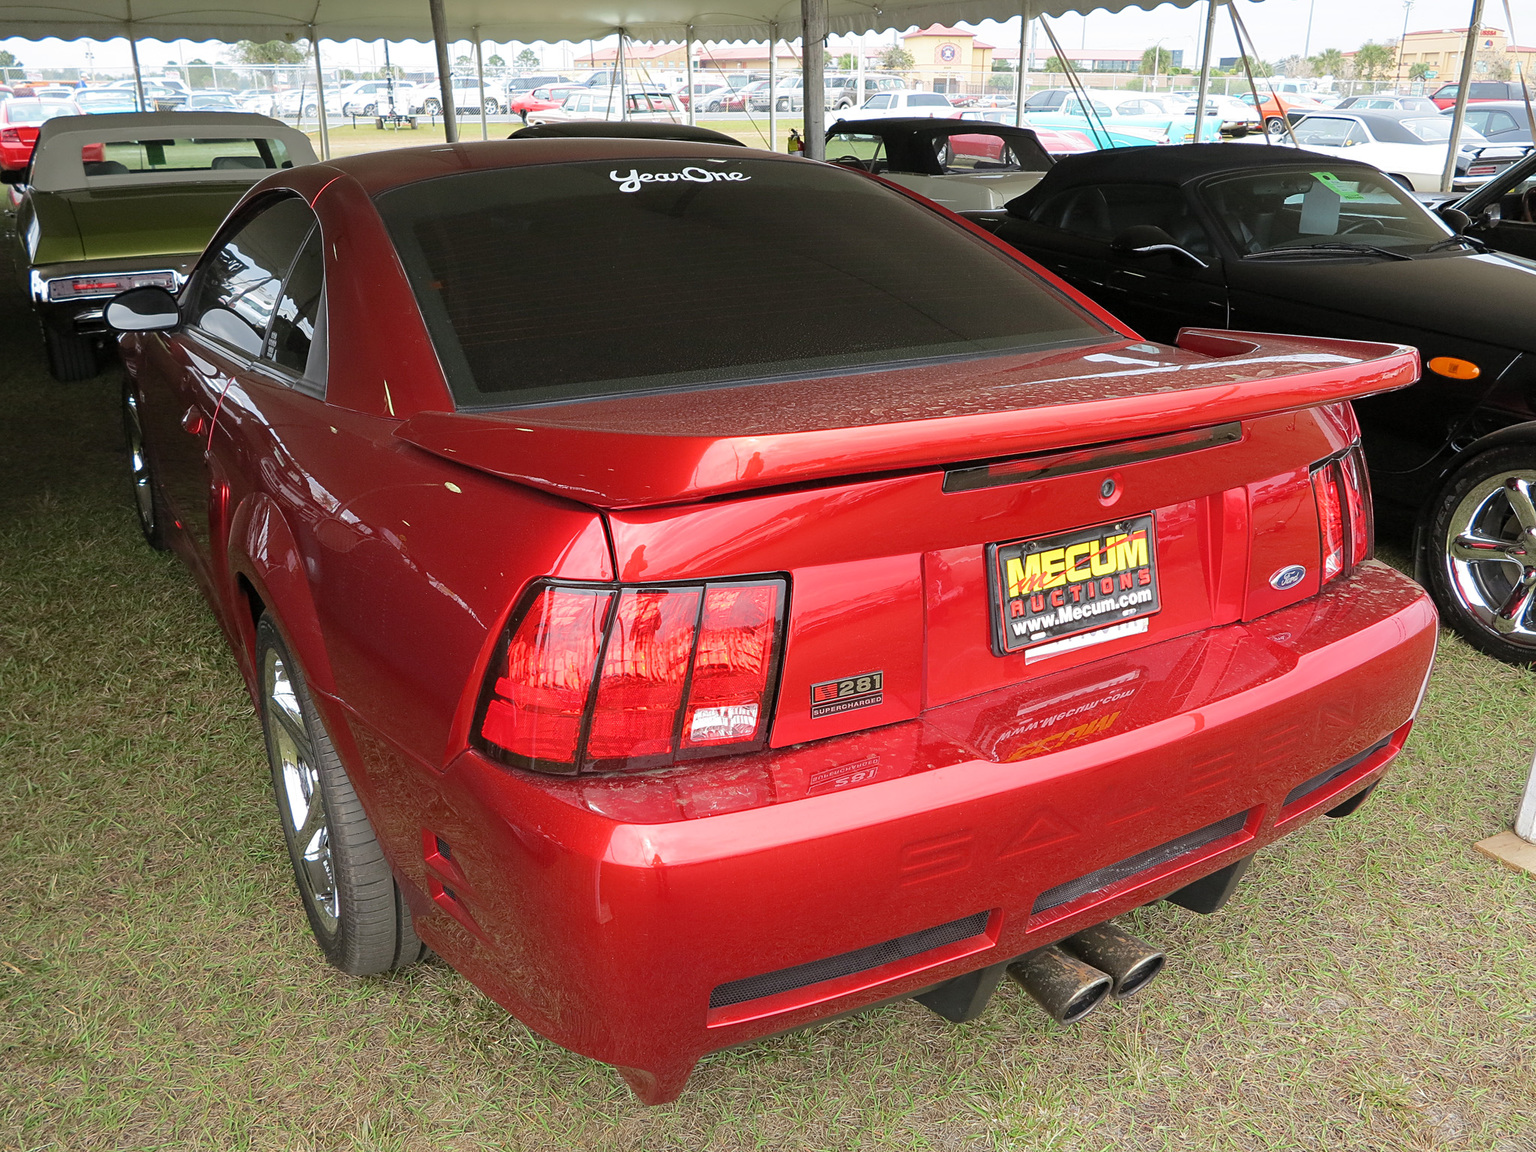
<point>138,463</point>
<point>299,796</point>
<point>1490,555</point>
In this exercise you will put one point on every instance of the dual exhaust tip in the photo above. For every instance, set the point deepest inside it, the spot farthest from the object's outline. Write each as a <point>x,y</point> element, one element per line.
<point>1071,979</point>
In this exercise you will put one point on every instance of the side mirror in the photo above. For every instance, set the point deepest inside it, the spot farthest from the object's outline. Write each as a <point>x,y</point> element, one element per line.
<point>1458,220</point>
<point>146,309</point>
<point>1149,239</point>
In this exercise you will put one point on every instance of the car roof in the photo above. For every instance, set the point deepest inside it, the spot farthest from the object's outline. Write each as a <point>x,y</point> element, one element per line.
<point>380,171</point>
<point>1176,164</point>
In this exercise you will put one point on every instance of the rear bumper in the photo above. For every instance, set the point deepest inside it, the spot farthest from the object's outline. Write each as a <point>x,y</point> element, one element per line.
<point>84,314</point>
<point>601,917</point>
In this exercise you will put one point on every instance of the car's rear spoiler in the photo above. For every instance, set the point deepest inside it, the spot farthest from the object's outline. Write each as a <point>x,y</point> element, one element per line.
<point>664,448</point>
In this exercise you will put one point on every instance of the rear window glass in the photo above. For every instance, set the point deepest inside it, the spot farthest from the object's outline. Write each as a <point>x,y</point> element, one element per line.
<point>125,157</point>
<point>595,279</point>
<point>36,111</point>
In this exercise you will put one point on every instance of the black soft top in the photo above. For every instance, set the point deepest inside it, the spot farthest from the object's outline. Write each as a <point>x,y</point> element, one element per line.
<point>1175,164</point>
<point>909,140</point>
<point>625,130</point>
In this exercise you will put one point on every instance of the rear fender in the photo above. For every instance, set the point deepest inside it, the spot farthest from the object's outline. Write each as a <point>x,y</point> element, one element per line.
<point>262,549</point>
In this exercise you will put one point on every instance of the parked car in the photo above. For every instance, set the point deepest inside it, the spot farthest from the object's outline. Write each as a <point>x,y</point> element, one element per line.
<point>1275,110</point>
<point>376,97</point>
<point>961,164</point>
<point>1055,141</point>
<point>1301,242</point>
<point>701,91</point>
<point>121,200</point>
<point>1391,103</point>
<point>302,103</point>
<point>904,105</point>
<point>527,83</point>
<point>93,101</point>
<point>843,91</point>
<point>763,676</point>
<point>261,101</point>
<point>1500,213</point>
<point>1064,109</point>
<point>20,122</point>
<point>1499,122</point>
<point>210,102</point>
<point>541,99</point>
<point>468,96</point>
<point>1445,95</point>
<point>1410,146</point>
<point>592,104</point>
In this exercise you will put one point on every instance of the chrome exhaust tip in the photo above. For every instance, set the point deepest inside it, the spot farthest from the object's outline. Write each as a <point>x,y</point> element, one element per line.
<point>1066,987</point>
<point>1131,963</point>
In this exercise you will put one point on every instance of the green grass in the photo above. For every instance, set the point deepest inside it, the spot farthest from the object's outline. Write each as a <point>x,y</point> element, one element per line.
<point>1371,986</point>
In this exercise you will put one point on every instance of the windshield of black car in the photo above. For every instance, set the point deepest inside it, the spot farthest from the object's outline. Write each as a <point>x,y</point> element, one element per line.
<point>1294,208</point>
<point>603,278</point>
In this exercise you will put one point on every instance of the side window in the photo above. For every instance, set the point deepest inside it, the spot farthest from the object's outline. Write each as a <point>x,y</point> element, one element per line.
<point>879,102</point>
<point>1103,212</point>
<point>298,311</point>
<point>236,289</point>
<point>1323,131</point>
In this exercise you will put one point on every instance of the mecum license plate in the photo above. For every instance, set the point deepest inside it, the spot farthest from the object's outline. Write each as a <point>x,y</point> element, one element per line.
<point>1071,583</point>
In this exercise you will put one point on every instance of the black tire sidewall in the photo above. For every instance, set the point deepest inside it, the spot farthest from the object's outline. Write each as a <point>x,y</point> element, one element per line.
<point>1453,614</point>
<point>373,932</point>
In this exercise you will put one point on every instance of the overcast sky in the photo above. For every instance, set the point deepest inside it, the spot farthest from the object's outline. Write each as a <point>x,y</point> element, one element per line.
<point>1279,28</point>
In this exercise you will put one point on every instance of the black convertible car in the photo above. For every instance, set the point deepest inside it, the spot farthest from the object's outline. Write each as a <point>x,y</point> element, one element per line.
<point>1282,240</point>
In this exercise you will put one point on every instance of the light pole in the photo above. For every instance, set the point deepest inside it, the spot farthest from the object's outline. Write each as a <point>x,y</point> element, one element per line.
<point>1306,44</point>
<point>1402,42</point>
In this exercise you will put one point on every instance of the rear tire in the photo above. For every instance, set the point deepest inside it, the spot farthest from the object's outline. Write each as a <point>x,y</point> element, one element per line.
<point>1276,125</point>
<point>70,356</point>
<point>355,908</point>
<point>370,109</point>
<point>432,108</point>
<point>492,108</point>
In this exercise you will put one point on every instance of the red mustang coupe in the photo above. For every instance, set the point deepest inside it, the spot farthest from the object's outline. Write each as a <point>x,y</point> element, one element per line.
<point>861,623</point>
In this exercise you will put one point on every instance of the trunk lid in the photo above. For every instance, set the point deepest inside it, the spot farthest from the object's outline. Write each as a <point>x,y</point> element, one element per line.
<point>125,222</point>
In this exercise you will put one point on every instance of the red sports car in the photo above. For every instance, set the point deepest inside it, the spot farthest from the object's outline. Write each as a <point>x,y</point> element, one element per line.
<point>19,122</point>
<point>541,99</point>
<point>859,625</point>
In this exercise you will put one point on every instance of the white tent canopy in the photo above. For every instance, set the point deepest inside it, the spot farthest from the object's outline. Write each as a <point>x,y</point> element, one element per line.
<point>527,21</point>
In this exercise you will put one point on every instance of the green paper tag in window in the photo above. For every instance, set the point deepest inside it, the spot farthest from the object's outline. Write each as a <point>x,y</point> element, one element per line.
<point>1331,182</point>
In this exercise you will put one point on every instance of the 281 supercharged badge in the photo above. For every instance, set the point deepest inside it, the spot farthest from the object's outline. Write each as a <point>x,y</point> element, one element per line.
<point>833,696</point>
<point>1073,582</point>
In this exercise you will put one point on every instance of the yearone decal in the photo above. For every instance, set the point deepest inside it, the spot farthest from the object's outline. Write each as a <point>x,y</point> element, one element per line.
<point>632,180</point>
<point>1075,582</point>
<point>833,696</point>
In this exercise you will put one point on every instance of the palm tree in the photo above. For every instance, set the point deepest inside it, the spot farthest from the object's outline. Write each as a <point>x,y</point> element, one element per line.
<point>1329,62</point>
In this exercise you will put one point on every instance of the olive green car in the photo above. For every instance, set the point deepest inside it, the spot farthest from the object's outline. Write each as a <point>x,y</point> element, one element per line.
<point>119,201</point>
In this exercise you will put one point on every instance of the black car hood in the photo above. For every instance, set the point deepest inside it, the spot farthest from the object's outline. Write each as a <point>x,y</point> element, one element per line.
<point>1489,297</point>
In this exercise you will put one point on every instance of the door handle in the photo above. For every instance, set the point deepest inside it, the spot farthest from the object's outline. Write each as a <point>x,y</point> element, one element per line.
<point>192,420</point>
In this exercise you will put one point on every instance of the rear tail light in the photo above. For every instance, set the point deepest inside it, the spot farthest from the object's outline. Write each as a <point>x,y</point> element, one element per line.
<point>10,136</point>
<point>592,679</point>
<point>79,287</point>
<point>1345,524</point>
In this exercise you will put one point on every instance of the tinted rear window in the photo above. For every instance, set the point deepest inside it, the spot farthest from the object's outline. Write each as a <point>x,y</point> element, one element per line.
<point>590,279</point>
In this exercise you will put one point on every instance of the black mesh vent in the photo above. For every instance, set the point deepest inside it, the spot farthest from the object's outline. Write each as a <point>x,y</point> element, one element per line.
<point>1307,787</point>
<point>859,960</point>
<point>1141,862</point>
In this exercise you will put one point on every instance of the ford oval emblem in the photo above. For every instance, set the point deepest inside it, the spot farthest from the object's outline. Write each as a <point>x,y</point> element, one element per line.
<point>1287,577</point>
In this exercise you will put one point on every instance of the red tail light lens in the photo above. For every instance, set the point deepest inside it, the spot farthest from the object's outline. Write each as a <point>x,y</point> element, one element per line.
<point>604,679</point>
<point>736,653</point>
<point>1330,518</point>
<point>1344,518</point>
<point>538,699</point>
<point>10,136</point>
<point>1357,506</point>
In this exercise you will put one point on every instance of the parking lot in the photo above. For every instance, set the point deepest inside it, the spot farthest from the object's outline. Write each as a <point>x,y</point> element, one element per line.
<point>1370,985</point>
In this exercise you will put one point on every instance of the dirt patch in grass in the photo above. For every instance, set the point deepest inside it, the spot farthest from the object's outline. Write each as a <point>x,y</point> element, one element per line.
<point>1372,985</point>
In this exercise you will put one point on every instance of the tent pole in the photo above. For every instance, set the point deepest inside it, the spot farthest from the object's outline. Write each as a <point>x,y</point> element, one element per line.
<point>485,131</point>
<point>138,77</point>
<point>688,72</point>
<point>813,67</point>
<point>444,74</point>
<point>1205,69</point>
<point>1018,85</point>
<point>1453,145</point>
<point>623,87</point>
<point>325,133</point>
<point>773,86</point>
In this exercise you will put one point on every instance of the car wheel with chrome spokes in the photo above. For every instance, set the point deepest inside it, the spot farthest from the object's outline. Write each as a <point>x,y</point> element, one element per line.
<point>355,908</point>
<point>1482,569</point>
<point>146,496</point>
